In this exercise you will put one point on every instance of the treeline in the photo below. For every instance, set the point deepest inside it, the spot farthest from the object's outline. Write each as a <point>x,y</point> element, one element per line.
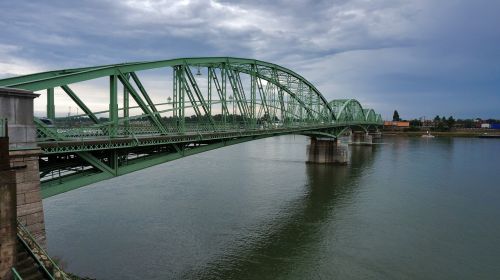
<point>443,123</point>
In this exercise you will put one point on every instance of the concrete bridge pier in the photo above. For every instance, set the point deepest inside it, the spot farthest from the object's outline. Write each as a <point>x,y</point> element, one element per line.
<point>17,107</point>
<point>327,151</point>
<point>375,134</point>
<point>8,214</point>
<point>361,138</point>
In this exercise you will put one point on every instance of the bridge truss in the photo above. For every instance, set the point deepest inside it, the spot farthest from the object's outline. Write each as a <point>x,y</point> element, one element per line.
<point>213,102</point>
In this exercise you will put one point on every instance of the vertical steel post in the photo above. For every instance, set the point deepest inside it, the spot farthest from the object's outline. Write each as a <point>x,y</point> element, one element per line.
<point>113,104</point>
<point>253,102</point>
<point>224,92</point>
<point>113,161</point>
<point>310,93</point>
<point>126,105</point>
<point>51,110</point>
<point>209,91</point>
<point>174,100</point>
<point>181,87</point>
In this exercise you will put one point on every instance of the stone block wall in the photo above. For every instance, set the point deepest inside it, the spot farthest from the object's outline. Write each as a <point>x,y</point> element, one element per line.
<point>17,107</point>
<point>7,212</point>
<point>29,199</point>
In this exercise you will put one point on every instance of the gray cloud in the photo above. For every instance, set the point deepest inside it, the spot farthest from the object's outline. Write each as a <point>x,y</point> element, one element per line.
<point>421,57</point>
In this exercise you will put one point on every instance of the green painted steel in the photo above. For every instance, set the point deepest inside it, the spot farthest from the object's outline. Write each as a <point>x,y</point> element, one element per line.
<point>15,274</point>
<point>3,127</point>
<point>46,265</point>
<point>51,111</point>
<point>78,102</point>
<point>242,100</point>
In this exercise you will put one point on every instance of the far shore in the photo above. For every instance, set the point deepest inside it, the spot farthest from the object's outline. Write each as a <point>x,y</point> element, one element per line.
<point>453,133</point>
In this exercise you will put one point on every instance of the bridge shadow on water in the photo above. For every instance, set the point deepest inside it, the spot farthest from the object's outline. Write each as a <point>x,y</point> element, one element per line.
<point>287,241</point>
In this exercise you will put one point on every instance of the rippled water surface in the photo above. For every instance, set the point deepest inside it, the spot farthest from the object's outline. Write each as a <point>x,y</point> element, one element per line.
<point>411,208</point>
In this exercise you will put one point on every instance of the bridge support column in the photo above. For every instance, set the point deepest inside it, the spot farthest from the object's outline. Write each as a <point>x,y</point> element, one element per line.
<point>327,151</point>
<point>361,138</point>
<point>375,134</point>
<point>8,215</point>
<point>17,107</point>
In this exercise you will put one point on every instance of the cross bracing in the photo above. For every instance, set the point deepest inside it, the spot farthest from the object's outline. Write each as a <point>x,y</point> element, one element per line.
<point>239,100</point>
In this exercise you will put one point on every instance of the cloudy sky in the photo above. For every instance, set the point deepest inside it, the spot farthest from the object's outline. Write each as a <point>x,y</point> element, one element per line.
<point>422,57</point>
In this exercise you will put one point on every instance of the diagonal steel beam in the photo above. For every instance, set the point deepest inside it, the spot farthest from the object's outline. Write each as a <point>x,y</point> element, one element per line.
<point>236,92</point>
<point>218,87</point>
<point>241,91</point>
<point>197,91</point>
<point>96,163</point>
<point>141,103</point>
<point>84,155</point>
<point>262,96</point>
<point>80,103</point>
<point>143,91</point>
<point>187,89</point>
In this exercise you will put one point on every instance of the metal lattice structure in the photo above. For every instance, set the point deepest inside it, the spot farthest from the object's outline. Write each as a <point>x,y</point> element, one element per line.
<point>225,101</point>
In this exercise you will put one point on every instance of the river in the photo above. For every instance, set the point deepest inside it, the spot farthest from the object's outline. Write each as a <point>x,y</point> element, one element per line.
<point>410,208</point>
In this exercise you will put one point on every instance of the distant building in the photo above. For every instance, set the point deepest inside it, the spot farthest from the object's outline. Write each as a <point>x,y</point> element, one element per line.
<point>485,125</point>
<point>395,124</point>
<point>495,126</point>
<point>428,123</point>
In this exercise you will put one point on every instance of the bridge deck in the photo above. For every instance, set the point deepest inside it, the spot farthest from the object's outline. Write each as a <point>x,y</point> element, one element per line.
<point>79,144</point>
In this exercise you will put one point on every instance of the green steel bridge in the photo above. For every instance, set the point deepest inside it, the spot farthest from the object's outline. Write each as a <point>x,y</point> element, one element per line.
<point>215,102</point>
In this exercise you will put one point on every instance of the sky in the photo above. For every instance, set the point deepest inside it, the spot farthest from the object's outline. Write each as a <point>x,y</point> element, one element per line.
<point>421,57</point>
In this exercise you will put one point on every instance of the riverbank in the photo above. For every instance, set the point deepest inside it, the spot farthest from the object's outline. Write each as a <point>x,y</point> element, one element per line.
<point>457,133</point>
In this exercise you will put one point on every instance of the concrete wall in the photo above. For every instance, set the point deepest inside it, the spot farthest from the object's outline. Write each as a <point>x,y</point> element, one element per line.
<point>17,106</point>
<point>361,137</point>
<point>327,151</point>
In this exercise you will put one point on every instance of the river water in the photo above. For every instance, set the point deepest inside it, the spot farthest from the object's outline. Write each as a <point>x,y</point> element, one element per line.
<point>410,208</point>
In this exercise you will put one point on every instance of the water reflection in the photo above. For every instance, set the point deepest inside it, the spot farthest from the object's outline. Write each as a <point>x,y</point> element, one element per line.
<point>275,251</point>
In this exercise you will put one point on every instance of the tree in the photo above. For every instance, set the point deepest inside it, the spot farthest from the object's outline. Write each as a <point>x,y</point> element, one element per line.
<point>395,116</point>
<point>437,119</point>
<point>450,122</point>
<point>415,123</point>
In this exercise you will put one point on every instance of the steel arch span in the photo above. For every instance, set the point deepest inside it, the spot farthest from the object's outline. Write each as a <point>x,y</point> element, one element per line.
<point>213,102</point>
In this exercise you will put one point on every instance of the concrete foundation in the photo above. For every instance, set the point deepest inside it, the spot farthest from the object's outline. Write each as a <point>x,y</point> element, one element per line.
<point>361,138</point>
<point>327,151</point>
<point>375,135</point>
<point>17,107</point>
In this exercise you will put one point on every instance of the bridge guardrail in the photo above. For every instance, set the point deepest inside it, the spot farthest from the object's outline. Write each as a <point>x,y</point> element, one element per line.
<point>15,274</point>
<point>78,139</point>
<point>49,267</point>
<point>146,129</point>
<point>3,127</point>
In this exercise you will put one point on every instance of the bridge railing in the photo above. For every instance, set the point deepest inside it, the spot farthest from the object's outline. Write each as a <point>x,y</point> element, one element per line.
<point>45,133</point>
<point>47,265</point>
<point>15,274</point>
<point>144,128</point>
